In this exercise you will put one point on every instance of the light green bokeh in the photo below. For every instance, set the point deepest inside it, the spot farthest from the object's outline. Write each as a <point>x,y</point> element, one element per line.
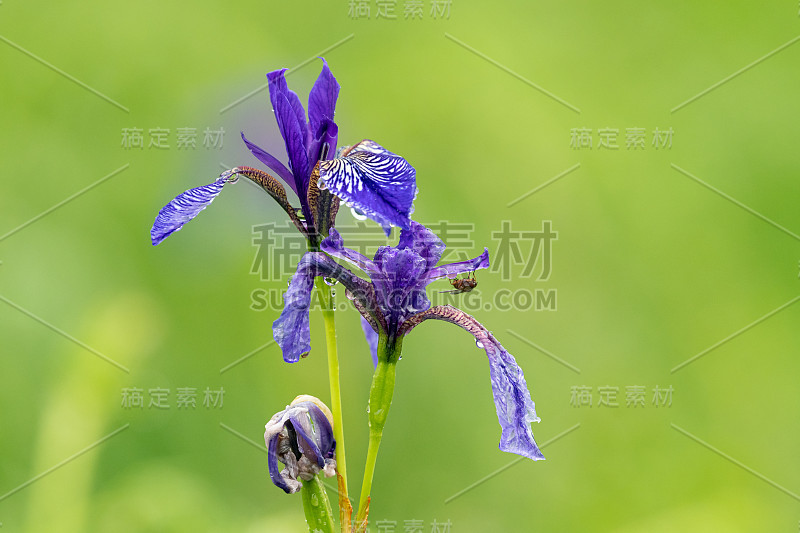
<point>650,267</point>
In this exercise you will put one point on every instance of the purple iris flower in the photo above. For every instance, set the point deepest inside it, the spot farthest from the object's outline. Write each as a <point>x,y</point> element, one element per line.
<point>366,176</point>
<point>393,301</point>
<point>300,437</point>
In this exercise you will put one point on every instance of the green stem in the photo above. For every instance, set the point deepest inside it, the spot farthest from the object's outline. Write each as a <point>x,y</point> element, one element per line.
<point>380,400</point>
<point>319,516</point>
<point>328,306</point>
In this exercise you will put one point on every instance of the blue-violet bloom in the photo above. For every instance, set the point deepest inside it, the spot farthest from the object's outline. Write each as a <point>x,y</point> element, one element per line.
<point>300,437</point>
<point>366,176</point>
<point>393,302</point>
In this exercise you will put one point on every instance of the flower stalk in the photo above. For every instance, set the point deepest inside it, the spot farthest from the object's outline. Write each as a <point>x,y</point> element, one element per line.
<point>380,400</point>
<point>328,315</point>
<point>319,516</point>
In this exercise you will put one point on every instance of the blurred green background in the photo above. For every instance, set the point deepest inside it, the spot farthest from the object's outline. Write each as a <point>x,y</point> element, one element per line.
<point>650,267</point>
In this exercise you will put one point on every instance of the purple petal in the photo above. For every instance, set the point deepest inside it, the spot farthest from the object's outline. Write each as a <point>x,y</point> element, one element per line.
<point>278,89</point>
<point>323,431</point>
<point>322,98</point>
<point>372,340</point>
<point>291,330</point>
<point>290,116</point>
<point>398,288</point>
<point>323,145</point>
<point>182,209</point>
<point>515,409</point>
<point>295,137</point>
<point>334,245</point>
<point>272,163</point>
<point>453,269</point>
<point>274,467</point>
<point>306,440</point>
<point>423,241</point>
<point>378,183</point>
<point>368,145</point>
<point>311,434</point>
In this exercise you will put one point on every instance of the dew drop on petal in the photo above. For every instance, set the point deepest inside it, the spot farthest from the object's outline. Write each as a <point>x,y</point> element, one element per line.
<point>358,215</point>
<point>478,343</point>
<point>330,282</point>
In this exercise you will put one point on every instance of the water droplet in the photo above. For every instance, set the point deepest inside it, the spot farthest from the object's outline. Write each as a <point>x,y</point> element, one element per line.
<point>358,215</point>
<point>314,500</point>
<point>478,343</point>
<point>330,282</point>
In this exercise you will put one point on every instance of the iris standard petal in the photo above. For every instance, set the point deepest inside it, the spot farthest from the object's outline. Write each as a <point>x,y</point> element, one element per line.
<point>322,98</point>
<point>272,162</point>
<point>398,289</point>
<point>513,403</point>
<point>323,142</point>
<point>278,90</point>
<point>295,138</point>
<point>380,185</point>
<point>291,118</point>
<point>422,241</point>
<point>372,340</point>
<point>184,208</point>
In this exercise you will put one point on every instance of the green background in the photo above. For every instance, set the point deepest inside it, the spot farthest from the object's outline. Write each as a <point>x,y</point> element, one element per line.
<point>651,268</point>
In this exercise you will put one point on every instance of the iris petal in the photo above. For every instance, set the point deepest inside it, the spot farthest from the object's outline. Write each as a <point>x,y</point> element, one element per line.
<point>380,184</point>
<point>278,90</point>
<point>322,98</point>
<point>422,241</point>
<point>334,245</point>
<point>309,432</point>
<point>513,403</point>
<point>453,269</point>
<point>182,209</point>
<point>274,466</point>
<point>294,136</point>
<point>290,115</point>
<point>272,162</point>
<point>372,340</point>
<point>291,330</point>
